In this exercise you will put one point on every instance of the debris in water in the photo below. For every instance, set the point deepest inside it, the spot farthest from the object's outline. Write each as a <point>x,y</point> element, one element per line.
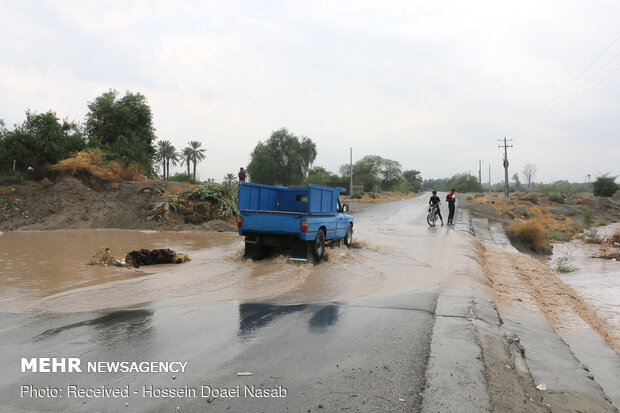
<point>542,386</point>
<point>141,257</point>
<point>245,373</point>
<point>137,258</point>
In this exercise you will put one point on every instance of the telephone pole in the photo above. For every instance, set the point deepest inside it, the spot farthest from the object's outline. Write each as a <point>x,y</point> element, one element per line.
<point>506,183</point>
<point>480,172</point>
<point>351,170</point>
<point>489,175</point>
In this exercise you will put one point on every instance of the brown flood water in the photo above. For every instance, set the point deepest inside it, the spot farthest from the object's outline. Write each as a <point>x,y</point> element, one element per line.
<point>49,271</point>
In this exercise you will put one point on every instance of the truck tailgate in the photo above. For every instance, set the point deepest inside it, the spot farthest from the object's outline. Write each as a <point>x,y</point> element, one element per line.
<point>271,221</point>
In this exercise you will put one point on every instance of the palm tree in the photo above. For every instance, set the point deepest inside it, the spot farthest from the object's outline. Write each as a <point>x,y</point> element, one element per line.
<point>197,154</point>
<point>229,179</point>
<point>166,154</point>
<point>186,158</point>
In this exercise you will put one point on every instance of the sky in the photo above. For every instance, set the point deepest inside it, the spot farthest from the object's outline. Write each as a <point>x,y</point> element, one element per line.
<point>432,85</point>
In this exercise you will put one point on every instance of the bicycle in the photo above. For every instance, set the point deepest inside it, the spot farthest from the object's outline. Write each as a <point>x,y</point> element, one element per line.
<point>433,214</point>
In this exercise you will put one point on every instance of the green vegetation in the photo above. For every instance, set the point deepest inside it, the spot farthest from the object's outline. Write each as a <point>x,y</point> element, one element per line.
<point>556,197</point>
<point>3,200</point>
<point>564,265</point>
<point>588,217</point>
<point>166,154</point>
<point>178,177</point>
<point>282,159</point>
<point>374,170</point>
<point>321,176</point>
<point>591,236</point>
<point>224,197</point>
<point>462,183</point>
<point>605,185</point>
<point>122,128</point>
<point>41,140</point>
<point>404,187</point>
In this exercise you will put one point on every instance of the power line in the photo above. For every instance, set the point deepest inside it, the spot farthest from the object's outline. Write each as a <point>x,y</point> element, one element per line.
<point>553,103</point>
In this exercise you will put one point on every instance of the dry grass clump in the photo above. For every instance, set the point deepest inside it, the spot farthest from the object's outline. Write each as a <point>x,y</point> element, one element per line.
<point>530,233</point>
<point>615,238</point>
<point>90,164</point>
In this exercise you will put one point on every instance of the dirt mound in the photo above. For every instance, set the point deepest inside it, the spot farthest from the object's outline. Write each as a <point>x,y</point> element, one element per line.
<point>72,204</point>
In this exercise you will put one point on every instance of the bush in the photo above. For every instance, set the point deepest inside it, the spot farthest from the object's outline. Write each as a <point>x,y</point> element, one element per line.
<point>564,265</point>
<point>12,178</point>
<point>223,196</point>
<point>528,197</point>
<point>3,200</point>
<point>588,217</point>
<point>531,234</point>
<point>356,195</point>
<point>403,186</point>
<point>592,236</point>
<point>183,178</point>
<point>605,186</point>
<point>372,195</point>
<point>557,198</point>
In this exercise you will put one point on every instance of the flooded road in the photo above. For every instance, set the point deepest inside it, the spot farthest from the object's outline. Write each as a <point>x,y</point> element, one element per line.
<point>49,271</point>
<point>388,325</point>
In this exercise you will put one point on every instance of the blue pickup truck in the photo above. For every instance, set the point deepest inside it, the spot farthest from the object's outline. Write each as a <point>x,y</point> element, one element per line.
<point>300,220</point>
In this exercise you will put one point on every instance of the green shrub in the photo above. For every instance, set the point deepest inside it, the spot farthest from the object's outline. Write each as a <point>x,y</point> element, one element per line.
<point>3,200</point>
<point>356,195</point>
<point>557,198</point>
<point>605,186</point>
<point>11,178</point>
<point>564,264</point>
<point>223,196</point>
<point>183,178</point>
<point>588,217</point>
<point>403,186</point>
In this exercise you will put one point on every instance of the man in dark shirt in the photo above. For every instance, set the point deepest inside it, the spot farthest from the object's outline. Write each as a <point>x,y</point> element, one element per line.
<point>242,175</point>
<point>451,200</point>
<point>434,202</point>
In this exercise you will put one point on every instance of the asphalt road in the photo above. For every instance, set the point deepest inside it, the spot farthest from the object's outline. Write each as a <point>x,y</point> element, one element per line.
<point>413,350</point>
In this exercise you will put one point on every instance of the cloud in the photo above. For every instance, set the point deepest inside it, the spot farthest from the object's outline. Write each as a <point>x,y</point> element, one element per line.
<point>432,86</point>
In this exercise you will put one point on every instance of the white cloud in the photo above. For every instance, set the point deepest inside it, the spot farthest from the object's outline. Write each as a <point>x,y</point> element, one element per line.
<point>432,86</point>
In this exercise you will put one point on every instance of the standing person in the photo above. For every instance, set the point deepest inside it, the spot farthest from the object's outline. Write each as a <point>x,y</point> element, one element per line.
<point>434,202</point>
<point>451,200</point>
<point>242,174</point>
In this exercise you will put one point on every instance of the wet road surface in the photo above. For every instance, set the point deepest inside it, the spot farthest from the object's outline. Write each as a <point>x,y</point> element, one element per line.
<point>390,325</point>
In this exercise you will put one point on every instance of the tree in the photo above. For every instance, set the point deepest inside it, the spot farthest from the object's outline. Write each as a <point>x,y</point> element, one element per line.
<point>196,154</point>
<point>186,158</point>
<point>321,176</point>
<point>413,176</point>
<point>463,183</point>
<point>374,170</point>
<point>529,171</point>
<point>42,139</point>
<point>282,159</point>
<point>517,181</point>
<point>230,179</point>
<point>605,185</point>
<point>122,128</point>
<point>166,154</point>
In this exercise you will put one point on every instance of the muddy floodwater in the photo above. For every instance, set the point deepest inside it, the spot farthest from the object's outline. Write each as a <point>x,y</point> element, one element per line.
<point>49,271</point>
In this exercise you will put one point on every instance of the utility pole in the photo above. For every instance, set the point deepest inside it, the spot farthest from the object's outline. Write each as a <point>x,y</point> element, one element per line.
<point>480,172</point>
<point>588,176</point>
<point>506,183</point>
<point>489,175</point>
<point>351,169</point>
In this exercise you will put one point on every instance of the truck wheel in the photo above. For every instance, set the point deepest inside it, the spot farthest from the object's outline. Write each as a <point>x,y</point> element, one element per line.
<point>348,238</point>
<point>254,250</point>
<point>318,247</point>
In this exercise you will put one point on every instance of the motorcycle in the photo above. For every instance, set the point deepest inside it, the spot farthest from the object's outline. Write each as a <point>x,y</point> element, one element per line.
<point>433,215</point>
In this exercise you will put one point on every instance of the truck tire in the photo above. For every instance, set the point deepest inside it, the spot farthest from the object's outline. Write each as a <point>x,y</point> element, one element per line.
<point>348,238</point>
<point>318,246</point>
<point>254,250</point>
